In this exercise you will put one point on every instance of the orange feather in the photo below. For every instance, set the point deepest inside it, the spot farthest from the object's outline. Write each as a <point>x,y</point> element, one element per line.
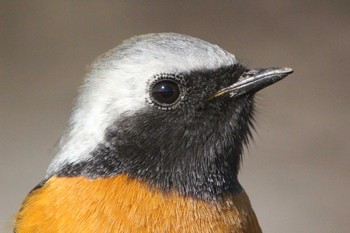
<point>122,204</point>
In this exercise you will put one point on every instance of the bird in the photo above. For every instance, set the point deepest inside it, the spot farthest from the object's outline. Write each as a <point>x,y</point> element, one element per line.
<point>154,143</point>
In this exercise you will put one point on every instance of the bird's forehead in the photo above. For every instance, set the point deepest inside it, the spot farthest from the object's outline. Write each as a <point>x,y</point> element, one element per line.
<point>164,53</point>
<point>121,75</point>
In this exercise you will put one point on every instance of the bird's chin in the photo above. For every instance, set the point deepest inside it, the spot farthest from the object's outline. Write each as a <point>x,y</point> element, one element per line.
<point>241,102</point>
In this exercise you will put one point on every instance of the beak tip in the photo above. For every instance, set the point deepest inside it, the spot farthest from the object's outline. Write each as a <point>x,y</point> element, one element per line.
<point>287,70</point>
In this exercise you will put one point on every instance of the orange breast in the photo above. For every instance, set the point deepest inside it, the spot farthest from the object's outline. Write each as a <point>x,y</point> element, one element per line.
<point>122,204</point>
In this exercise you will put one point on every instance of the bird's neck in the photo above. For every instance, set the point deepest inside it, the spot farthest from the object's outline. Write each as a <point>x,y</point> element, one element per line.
<point>206,180</point>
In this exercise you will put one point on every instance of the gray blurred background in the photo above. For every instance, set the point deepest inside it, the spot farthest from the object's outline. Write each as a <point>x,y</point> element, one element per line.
<point>297,170</point>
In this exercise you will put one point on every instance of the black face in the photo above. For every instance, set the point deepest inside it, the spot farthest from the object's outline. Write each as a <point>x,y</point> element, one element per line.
<point>181,141</point>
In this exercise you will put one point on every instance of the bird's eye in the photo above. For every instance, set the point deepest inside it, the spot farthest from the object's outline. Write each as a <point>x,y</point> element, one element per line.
<point>165,92</point>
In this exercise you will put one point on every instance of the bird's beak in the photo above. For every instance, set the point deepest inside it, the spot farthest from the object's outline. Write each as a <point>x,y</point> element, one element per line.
<point>254,80</point>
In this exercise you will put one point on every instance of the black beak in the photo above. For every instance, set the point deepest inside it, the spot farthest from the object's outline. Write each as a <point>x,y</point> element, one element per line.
<point>254,80</point>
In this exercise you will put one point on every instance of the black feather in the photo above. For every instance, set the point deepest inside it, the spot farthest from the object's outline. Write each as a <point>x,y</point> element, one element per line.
<point>194,149</point>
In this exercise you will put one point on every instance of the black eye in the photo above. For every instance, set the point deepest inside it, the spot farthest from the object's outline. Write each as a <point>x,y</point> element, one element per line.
<point>165,92</point>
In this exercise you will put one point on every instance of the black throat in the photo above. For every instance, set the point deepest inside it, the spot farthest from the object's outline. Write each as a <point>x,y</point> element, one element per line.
<point>195,151</point>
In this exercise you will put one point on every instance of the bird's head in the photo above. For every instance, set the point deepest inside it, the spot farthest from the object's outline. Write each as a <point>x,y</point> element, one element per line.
<point>168,109</point>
